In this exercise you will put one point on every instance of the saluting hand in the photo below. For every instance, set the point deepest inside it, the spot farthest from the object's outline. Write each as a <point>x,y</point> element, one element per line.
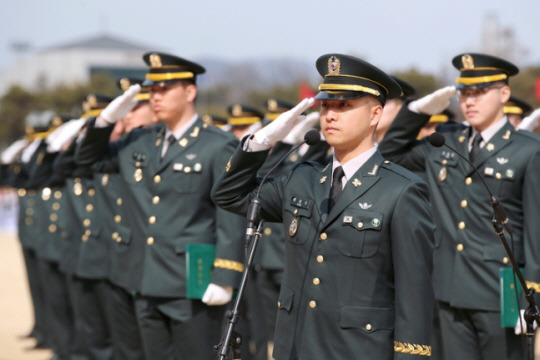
<point>433,103</point>
<point>121,106</point>
<point>296,135</point>
<point>283,124</point>
<point>530,122</point>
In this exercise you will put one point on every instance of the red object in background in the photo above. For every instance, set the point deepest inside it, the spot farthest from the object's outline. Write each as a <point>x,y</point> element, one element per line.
<point>537,88</point>
<point>305,91</point>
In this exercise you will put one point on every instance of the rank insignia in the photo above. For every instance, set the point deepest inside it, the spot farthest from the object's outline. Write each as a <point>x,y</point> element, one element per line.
<point>506,136</point>
<point>183,142</point>
<point>195,132</point>
<point>178,167</point>
<point>347,219</point>
<point>323,179</point>
<point>443,173</point>
<point>490,147</point>
<point>356,182</point>
<point>376,222</point>
<point>461,139</point>
<point>138,175</point>
<point>374,170</point>
<point>293,227</point>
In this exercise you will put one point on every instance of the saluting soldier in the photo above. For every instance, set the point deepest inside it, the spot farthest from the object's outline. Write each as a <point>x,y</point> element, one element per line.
<point>358,231</point>
<point>168,174</point>
<point>468,253</point>
<point>516,109</point>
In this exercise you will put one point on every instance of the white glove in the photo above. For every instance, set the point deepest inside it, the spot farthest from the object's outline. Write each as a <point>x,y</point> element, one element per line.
<point>63,135</point>
<point>10,154</point>
<point>521,321</point>
<point>296,136</point>
<point>253,127</point>
<point>283,124</point>
<point>433,103</point>
<point>121,106</point>
<point>530,122</point>
<point>217,295</point>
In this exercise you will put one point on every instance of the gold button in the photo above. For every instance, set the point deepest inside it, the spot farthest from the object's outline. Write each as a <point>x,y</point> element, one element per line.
<point>57,194</point>
<point>86,222</point>
<point>461,225</point>
<point>138,164</point>
<point>320,258</point>
<point>369,327</point>
<point>53,217</point>
<point>29,221</point>
<point>52,228</point>
<point>56,206</point>
<point>459,247</point>
<point>505,260</point>
<point>464,203</point>
<point>155,200</point>
<point>115,235</point>
<point>295,211</point>
<point>444,162</point>
<point>87,232</point>
<point>21,192</point>
<point>316,281</point>
<point>279,304</point>
<point>84,238</point>
<point>498,175</point>
<point>117,218</point>
<point>312,304</point>
<point>91,192</point>
<point>89,207</point>
<point>119,201</point>
<point>468,181</point>
<point>324,236</point>
<point>152,219</point>
<point>267,231</point>
<point>29,212</point>
<point>118,239</point>
<point>157,179</point>
<point>360,224</point>
<point>150,240</point>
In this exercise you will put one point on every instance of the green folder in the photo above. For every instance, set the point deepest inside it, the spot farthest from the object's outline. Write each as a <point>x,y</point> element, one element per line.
<point>509,303</point>
<point>199,263</point>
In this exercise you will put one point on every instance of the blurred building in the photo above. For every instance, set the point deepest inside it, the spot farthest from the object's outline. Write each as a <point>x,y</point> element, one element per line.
<point>76,62</point>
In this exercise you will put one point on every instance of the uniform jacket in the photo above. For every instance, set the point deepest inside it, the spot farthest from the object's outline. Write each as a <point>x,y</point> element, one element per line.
<point>469,254</point>
<point>167,205</point>
<point>357,280</point>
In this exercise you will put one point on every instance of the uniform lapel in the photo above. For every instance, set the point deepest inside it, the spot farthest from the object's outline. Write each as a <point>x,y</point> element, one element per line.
<point>362,181</point>
<point>158,145</point>
<point>182,144</point>
<point>322,194</point>
<point>501,139</point>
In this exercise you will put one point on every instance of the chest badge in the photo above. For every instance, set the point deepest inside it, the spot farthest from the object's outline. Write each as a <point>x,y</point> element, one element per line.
<point>138,175</point>
<point>365,206</point>
<point>293,227</point>
<point>443,173</point>
<point>502,160</point>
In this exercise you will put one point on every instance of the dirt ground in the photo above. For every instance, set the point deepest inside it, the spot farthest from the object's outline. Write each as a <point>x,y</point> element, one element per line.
<point>15,306</point>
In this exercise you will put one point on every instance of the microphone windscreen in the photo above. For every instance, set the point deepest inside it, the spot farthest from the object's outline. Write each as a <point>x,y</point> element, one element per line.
<point>312,137</point>
<point>437,139</point>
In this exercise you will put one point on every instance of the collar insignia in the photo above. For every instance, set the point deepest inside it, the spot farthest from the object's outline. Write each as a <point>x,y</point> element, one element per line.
<point>490,147</point>
<point>506,136</point>
<point>374,170</point>
<point>323,179</point>
<point>461,139</point>
<point>356,182</point>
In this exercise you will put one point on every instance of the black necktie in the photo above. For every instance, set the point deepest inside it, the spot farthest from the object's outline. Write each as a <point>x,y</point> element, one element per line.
<point>475,148</point>
<point>170,140</point>
<point>337,186</point>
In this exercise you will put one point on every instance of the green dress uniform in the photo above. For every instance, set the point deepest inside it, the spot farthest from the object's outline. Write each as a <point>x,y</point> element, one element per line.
<point>167,205</point>
<point>468,253</point>
<point>356,283</point>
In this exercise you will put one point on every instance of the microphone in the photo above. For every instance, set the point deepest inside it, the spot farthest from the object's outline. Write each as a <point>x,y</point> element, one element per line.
<point>311,137</point>
<point>437,139</point>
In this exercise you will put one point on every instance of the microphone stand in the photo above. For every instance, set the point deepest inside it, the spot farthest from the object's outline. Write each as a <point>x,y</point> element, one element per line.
<point>500,222</point>
<point>253,233</point>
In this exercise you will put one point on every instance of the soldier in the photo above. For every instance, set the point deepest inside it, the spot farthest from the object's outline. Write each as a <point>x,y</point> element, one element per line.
<point>516,109</point>
<point>445,117</point>
<point>243,119</point>
<point>468,253</point>
<point>356,282</point>
<point>168,173</point>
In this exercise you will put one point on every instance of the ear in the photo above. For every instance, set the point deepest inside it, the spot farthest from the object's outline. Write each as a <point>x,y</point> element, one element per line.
<point>376,114</point>
<point>191,92</point>
<point>505,93</point>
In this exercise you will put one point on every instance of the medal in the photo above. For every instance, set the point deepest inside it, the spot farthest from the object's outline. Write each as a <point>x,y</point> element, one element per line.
<point>293,227</point>
<point>442,174</point>
<point>137,176</point>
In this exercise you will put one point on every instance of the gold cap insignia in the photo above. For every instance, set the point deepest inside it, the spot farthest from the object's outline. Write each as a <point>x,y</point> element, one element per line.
<point>207,119</point>
<point>92,100</point>
<point>86,106</point>
<point>237,110</point>
<point>155,61</point>
<point>468,62</point>
<point>56,121</point>
<point>125,83</point>
<point>334,66</point>
<point>272,105</point>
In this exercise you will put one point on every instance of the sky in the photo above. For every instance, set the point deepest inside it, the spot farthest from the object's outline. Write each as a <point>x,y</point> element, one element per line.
<point>394,35</point>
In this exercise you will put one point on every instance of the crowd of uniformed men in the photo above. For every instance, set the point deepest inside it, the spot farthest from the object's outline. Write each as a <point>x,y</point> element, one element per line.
<point>129,257</point>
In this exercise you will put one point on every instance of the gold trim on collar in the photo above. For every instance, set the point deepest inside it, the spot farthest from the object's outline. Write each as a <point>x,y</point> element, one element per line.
<point>481,79</point>
<point>170,76</point>
<point>349,88</point>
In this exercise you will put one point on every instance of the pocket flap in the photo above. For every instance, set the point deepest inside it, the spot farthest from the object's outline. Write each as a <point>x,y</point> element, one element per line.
<point>285,299</point>
<point>368,319</point>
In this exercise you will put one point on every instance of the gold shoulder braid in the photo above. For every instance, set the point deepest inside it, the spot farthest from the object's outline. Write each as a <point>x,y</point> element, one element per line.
<point>413,349</point>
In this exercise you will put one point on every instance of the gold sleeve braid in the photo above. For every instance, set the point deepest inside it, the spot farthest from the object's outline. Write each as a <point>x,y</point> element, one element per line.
<point>534,285</point>
<point>229,265</point>
<point>413,349</point>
